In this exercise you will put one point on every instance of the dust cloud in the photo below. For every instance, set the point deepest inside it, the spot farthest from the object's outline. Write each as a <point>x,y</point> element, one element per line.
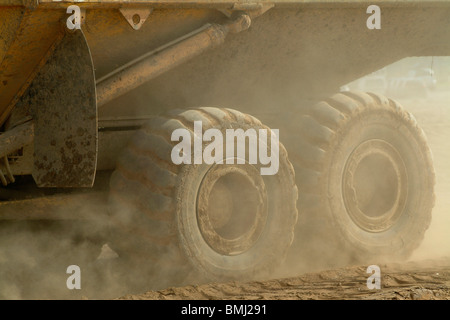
<point>34,255</point>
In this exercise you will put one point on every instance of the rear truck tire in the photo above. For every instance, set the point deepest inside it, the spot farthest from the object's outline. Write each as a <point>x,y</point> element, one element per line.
<point>224,221</point>
<point>365,177</point>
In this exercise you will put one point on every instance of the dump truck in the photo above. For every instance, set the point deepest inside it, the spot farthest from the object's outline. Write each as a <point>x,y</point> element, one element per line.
<point>94,93</point>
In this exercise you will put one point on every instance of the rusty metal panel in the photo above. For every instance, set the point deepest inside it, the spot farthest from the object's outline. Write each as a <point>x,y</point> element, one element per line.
<point>63,105</point>
<point>25,3</point>
<point>27,37</point>
<point>239,4</point>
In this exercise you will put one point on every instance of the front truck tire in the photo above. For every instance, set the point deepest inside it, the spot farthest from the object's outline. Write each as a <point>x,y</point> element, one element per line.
<point>226,221</point>
<point>365,176</point>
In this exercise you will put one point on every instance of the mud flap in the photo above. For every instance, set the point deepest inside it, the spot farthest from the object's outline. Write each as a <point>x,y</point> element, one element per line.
<point>65,115</point>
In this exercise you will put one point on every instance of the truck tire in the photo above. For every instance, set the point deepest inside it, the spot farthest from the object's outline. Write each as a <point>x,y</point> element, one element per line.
<point>365,177</point>
<point>226,220</point>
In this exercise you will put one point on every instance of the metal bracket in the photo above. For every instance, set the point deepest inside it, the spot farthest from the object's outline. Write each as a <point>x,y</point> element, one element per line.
<point>83,15</point>
<point>136,17</point>
<point>6,177</point>
<point>252,9</point>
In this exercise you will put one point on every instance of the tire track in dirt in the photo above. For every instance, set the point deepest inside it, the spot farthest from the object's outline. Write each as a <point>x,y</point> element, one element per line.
<point>428,279</point>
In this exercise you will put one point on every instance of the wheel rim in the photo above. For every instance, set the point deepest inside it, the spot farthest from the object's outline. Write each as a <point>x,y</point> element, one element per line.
<point>231,208</point>
<point>375,185</point>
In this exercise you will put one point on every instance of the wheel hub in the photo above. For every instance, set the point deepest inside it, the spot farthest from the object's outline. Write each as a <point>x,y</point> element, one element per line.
<point>375,185</point>
<point>232,208</point>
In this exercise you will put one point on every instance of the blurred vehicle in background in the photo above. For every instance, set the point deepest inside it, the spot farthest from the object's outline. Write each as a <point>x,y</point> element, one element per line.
<point>416,84</point>
<point>376,82</point>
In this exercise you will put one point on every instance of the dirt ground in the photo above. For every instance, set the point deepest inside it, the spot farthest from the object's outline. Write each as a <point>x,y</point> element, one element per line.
<point>424,280</point>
